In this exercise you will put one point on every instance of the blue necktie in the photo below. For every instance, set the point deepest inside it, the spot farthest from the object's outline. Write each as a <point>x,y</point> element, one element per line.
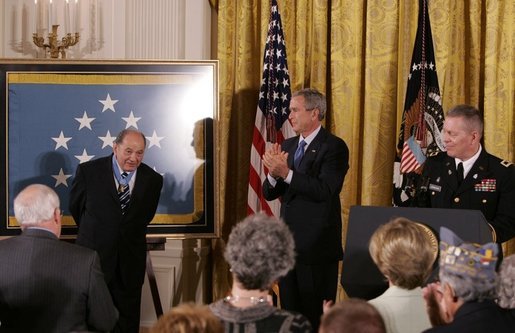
<point>299,154</point>
<point>124,194</point>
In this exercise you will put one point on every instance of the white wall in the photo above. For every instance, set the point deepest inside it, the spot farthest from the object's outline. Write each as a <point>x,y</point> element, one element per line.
<point>114,29</point>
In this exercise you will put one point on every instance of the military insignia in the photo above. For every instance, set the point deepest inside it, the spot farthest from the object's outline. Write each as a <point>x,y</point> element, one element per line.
<point>433,153</point>
<point>434,187</point>
<point>438,179</point>
<point>505,163</point>
<point>486,185</point>
<point>449,172</point>
<point>475,176</point>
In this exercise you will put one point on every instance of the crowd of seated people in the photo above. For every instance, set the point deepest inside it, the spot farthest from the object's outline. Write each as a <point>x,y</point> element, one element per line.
<point>470,296</point>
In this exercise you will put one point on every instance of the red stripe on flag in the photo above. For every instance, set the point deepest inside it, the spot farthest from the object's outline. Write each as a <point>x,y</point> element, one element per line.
<point>271,125</point>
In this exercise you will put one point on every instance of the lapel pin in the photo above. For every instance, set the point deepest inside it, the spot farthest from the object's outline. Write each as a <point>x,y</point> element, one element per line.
<point>475,176</point>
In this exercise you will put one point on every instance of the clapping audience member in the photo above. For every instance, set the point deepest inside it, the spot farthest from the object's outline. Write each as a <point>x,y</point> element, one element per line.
<point>506,292</point>
<point>403,252</point>
<point>188,318</point>
<point>353,316</point>
<point>463,300</point>
<point>260,250</point>
<point>47,285</point>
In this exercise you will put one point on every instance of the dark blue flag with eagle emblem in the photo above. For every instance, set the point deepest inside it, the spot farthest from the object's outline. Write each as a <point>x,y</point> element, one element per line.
<point>423,117</point>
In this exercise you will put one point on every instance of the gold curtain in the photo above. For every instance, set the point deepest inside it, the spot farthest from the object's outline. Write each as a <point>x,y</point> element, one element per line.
<point>359,53</point>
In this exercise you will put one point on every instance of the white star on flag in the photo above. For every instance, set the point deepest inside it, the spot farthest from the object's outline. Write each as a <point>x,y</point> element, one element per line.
<point>131,120</point>
<point>85,121</point>
<point>108,103</point>
<point>61,141</point>
<point>84,157</point>
<point>61,178</point>
<point>107,140</point>
<point>154,140</point>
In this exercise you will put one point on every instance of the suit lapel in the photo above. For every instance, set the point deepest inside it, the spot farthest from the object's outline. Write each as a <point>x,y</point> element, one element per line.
<point>449,174</point>
<point>108,178</point>
<point>312,150</point>
<point>290,146</point>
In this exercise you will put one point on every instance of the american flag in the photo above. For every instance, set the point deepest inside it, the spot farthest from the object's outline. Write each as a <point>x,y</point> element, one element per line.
<point>422,119</point>
<point>272,123</point>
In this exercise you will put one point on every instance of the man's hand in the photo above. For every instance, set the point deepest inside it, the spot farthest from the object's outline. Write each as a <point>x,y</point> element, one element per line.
<point>436,309</point>
<point>275,161</point>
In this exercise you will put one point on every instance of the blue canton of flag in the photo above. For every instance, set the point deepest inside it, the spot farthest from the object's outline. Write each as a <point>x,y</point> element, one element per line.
<point>53,127</point>
<point>271,125</point>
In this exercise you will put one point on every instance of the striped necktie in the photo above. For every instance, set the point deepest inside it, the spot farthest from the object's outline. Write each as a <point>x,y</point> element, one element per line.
<point>124,194</point>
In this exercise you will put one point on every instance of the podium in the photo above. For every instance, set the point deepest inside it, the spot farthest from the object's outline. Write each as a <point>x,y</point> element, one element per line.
<point>360,276</point>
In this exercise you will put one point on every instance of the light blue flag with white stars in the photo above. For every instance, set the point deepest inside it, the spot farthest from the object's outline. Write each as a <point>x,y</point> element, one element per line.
<point>63,120</point>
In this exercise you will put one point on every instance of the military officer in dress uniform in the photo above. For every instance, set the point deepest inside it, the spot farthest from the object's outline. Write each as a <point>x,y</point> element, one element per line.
<point>467,177</point>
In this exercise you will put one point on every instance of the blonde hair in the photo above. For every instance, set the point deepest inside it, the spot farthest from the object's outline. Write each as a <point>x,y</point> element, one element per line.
<point>188,318</point>
<point>403,252</point>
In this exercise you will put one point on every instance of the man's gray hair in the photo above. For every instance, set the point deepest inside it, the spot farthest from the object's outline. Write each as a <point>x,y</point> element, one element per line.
<point>313,99</point>
<point>260,250</point>
<point>506,290</point>
<point>470,289</point>
<point>35,204</point>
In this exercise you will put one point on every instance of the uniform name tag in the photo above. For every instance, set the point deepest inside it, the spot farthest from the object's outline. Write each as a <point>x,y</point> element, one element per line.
<point>434,187</point>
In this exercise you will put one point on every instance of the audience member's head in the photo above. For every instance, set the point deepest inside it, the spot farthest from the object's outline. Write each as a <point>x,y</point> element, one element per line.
<point>469,269</point>
<point>506,293</point>
<point>37,205</point>
<point>188,318</point>
<point>260,250</point>
<point>353,316</point>
<point>403,252</point>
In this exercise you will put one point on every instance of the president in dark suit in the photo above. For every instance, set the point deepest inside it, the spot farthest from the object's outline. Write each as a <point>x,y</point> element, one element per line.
<point>468,177</point>
<point>112,200</point>
<point>47,285</point>
<point>307,172</point>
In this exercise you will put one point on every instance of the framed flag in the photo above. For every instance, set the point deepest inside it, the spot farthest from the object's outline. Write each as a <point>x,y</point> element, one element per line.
<point>58,114</point>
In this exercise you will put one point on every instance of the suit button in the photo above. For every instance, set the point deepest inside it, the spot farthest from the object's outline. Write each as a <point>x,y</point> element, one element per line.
<point>456,199</point>
<point>483,201</point>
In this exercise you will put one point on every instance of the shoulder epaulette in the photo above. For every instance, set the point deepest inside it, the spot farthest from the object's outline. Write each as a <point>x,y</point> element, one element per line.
<point>505,163</point>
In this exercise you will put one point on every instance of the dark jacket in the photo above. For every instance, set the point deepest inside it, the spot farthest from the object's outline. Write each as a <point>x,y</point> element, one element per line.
<point>51,286</point>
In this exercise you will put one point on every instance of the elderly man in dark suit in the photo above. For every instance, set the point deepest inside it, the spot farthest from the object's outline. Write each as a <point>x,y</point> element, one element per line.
<point>47,285</point>
<point>307,172</point>
<point>112,200</point>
